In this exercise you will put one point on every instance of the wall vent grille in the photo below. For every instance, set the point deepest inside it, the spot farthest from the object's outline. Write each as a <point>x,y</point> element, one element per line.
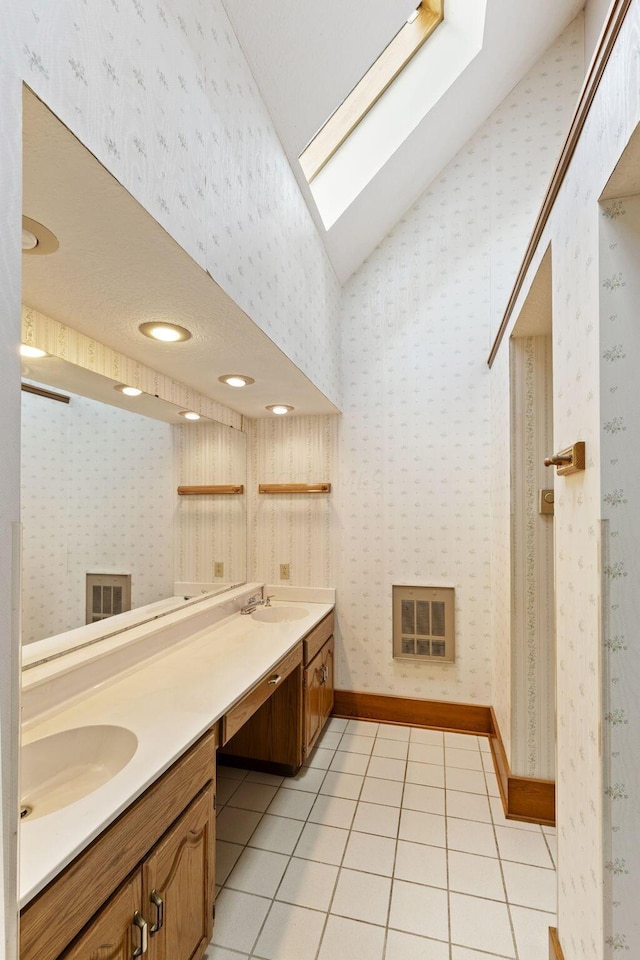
<point>107,595</point>
<point>423,623</point>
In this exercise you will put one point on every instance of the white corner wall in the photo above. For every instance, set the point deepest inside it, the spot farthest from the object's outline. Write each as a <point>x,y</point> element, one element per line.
<point>597,917</point>
<point>10,203</point>
<point>416,474</point>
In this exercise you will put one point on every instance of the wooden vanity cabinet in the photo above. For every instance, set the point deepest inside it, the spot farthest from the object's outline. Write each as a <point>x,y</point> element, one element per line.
<point>166,905</point>
<point>318,681</point>
<point>146,881</point>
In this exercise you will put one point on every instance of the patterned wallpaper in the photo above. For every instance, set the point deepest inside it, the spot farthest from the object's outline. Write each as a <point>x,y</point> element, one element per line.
<point>210,529</point>
<point>415,450</point>
<point>298,529</point>
<point>620,477</point>
<point>161,94</point>
<point>97,497</point>
<point>533,661</point>
<point>597,907</point>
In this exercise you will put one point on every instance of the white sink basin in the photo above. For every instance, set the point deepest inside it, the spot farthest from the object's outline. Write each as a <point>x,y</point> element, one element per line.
<point>66,766</point>
<point>279,614</point>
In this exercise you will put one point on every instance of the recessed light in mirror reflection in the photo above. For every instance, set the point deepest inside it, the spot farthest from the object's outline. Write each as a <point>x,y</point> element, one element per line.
<point>189,415</point>
<point>279,408</point>
<point>34,352</point>
<point>128,391</point>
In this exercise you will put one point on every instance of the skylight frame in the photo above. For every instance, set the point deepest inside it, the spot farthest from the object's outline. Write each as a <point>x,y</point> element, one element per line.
<point>370,88</point>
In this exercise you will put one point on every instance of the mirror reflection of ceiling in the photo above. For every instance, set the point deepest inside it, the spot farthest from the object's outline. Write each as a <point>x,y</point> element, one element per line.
<point>117,268</point>
<point>71,378</point>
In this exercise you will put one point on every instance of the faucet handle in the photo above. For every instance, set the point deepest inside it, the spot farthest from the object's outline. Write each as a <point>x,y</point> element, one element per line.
<point>268,600</point>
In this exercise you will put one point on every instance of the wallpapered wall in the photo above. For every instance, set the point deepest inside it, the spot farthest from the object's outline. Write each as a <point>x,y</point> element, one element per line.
<point>10,204</point>
<point>590,924</point>
<point>300,530</point>
<point>620,476</point>
<point>210,529</point>
<point>415,470</point>
<point>162,95</point>
<point>533,660</point>
<point>97,497</point>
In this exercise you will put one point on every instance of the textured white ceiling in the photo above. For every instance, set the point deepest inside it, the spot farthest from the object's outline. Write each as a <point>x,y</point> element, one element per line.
<point>116,268</point>
<point>306,58</point>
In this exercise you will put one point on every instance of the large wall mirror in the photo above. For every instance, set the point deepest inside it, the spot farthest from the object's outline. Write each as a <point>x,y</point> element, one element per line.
<point>104,528</point>
<point>100,469</point>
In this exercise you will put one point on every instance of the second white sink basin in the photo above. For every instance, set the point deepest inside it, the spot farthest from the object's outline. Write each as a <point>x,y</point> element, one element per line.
<point>279,614</point>
<point>66,766</point>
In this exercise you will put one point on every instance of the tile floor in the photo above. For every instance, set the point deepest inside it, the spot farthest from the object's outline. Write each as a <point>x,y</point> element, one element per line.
<point>390,844</point>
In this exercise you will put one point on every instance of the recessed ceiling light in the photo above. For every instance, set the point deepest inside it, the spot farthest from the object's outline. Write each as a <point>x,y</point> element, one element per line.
<point>28,351</point>
<point>167,332</point>
<point>129,391</point>
<point>279,408</point>
<point>29,240</point>
<point>189,415</point>
<point>37,239</point>
<point>236,380</point>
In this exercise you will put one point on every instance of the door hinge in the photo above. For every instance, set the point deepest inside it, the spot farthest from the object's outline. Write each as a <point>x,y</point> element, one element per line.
<point>304,681</point>
<point>213,911</point>
<point>304,749</point>
<point>215,802</point>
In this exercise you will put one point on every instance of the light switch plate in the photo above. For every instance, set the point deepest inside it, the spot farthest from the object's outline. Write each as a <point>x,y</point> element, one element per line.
<point>285,572</point>
<point>218,569</point>
<point>545,506</point>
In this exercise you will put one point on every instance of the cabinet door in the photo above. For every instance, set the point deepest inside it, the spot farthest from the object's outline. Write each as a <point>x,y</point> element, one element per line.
<point>117,931</point>
<point>327,685</point>
<point>313,702</point>
<point>178,884</point>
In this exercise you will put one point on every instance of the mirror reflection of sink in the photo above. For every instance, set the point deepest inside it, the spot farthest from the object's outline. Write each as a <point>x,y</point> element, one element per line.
<point>279,614</point>
<point>59,769</point>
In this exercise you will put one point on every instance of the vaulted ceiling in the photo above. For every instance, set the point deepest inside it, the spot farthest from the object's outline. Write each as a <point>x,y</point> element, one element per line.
<point>306,57</point>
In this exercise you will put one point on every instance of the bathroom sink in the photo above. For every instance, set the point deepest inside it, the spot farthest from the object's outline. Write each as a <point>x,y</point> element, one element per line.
<point>279,614</point>
<point>66,766</point>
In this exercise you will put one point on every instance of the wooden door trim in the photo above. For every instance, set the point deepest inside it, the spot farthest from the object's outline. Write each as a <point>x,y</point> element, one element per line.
<point>608,37</point>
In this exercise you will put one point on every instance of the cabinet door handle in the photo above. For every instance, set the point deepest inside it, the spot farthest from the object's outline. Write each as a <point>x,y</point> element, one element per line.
<point>272,681</point>
<point>143,927</point>
<point>158,903</point>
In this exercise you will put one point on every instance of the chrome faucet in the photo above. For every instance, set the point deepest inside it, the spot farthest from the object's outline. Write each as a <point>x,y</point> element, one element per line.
<point>254,602</point>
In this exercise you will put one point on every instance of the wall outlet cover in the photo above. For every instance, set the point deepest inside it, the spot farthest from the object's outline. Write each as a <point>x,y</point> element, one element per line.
<point>285,572</point>
<point>218,569</point>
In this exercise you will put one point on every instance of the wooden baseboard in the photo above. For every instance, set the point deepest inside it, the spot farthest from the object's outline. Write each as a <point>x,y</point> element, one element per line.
<point>523,798</point>
<point>555,949</point>
<point>440,714</point>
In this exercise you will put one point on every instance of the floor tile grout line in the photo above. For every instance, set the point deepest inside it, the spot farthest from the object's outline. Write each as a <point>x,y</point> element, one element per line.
<point>504,882</point>
<point>350,830</point>
<point>337,879</point>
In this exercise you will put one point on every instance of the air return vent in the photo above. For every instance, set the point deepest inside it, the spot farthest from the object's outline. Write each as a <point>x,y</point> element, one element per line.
<point>107,594</point>
<point>423,623</point>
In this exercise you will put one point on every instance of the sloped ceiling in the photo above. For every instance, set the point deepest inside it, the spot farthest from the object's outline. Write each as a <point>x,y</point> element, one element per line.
<point>307,57</point>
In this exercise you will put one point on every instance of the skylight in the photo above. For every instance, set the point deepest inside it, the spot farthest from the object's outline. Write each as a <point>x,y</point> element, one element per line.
<point>361,150</point>
<point>418,28</point>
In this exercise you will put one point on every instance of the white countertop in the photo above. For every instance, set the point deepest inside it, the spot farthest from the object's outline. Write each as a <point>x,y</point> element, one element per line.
<point>168,702</point>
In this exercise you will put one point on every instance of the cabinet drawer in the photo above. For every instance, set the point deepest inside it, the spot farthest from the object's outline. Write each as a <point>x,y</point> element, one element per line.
<point>316,638</point>
<point>253,700</point>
